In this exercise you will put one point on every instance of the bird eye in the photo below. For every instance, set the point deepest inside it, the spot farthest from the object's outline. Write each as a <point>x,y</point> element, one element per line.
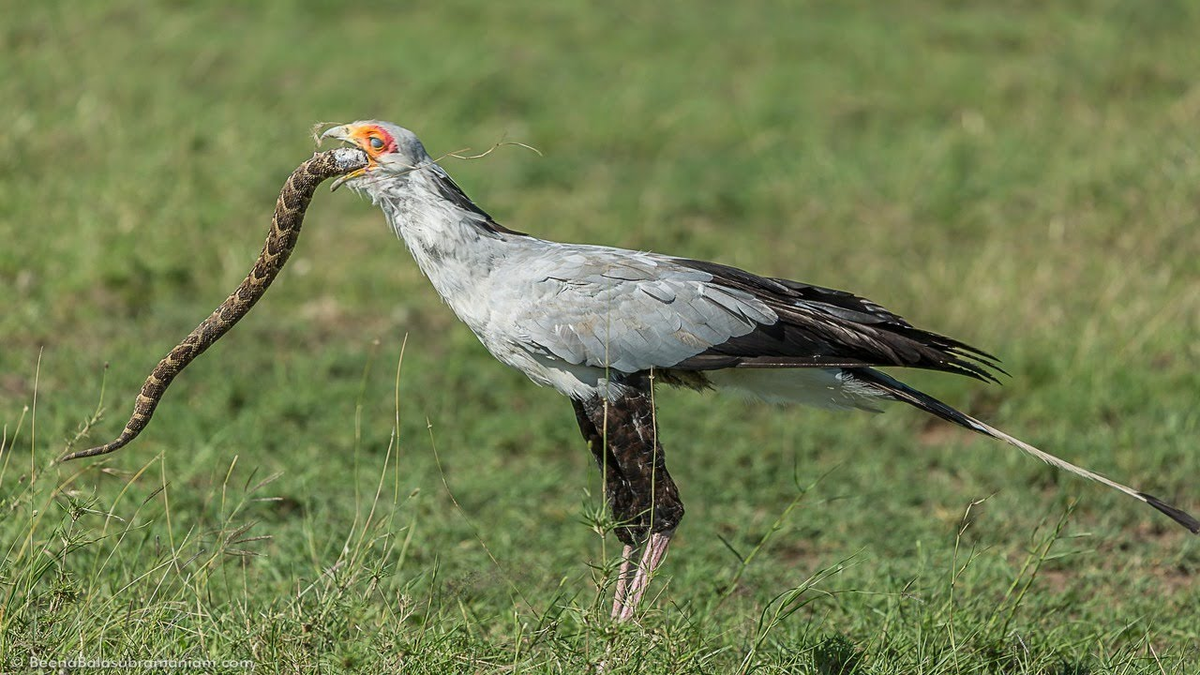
<point>376,143</point>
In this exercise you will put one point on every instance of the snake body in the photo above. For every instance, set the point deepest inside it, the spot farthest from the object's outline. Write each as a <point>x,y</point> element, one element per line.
<point>293,201</point>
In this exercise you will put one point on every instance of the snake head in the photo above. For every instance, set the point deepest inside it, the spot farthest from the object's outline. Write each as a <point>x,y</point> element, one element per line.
<point>347,160</point>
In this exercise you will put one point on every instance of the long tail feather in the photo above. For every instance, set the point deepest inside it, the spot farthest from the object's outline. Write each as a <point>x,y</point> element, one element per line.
<point>929,404</point>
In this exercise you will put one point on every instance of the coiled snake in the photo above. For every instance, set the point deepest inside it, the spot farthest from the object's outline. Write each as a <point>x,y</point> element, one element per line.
<point>293,201</point>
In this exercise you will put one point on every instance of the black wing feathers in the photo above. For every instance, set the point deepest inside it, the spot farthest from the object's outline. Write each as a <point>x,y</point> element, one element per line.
<point>823,327</point>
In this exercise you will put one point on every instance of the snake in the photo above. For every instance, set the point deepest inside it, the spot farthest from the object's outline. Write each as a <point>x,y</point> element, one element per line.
<point>294,198</point>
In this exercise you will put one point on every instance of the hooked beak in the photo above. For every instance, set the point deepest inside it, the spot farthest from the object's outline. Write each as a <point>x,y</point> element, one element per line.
<point>344,133</point>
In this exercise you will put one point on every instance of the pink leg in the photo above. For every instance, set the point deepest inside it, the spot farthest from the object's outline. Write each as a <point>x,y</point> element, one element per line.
<point>652,556</point>
<point>623,576</point>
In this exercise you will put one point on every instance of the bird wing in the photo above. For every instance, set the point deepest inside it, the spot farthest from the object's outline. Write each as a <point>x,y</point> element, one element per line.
<point>630,311</point>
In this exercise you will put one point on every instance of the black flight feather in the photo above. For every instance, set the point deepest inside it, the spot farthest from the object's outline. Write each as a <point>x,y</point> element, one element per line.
<point>918,399</point>
<point>824,327</point>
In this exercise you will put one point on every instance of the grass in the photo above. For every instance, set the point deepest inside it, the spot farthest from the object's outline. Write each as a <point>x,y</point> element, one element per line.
<point>1024,176</point>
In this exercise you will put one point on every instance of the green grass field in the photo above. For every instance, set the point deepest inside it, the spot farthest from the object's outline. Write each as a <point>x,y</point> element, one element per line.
<point>1024,176</point>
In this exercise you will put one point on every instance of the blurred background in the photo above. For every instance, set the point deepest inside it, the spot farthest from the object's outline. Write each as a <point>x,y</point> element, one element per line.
<point>1022,176</point>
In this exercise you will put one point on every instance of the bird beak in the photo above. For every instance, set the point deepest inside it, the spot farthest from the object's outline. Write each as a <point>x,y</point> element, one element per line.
<point>344,133</point>
<point>340,133</point>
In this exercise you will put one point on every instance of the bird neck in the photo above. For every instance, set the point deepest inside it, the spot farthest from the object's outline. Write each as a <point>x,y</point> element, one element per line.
<point>455,243</point>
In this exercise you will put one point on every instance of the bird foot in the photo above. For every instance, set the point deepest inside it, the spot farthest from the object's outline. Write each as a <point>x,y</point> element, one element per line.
<point>632,583</point>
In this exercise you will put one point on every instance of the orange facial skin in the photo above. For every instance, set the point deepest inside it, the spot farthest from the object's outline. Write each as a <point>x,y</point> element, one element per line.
<point>373,140</point>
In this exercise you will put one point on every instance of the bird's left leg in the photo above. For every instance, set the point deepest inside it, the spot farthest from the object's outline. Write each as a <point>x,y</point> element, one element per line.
<point>616,489</point>
<point>644,499</point>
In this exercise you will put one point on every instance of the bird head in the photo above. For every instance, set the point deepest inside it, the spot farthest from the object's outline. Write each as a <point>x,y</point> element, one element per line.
<point>391,150</point>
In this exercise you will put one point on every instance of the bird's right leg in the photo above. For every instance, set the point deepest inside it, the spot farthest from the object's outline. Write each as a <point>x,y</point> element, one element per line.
<point>645,502</point>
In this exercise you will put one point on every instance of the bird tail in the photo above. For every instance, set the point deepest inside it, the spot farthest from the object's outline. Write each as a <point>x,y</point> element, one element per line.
<point>929,404</point>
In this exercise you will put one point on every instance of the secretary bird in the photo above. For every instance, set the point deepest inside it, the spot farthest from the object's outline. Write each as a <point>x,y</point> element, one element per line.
<point>601,325</point>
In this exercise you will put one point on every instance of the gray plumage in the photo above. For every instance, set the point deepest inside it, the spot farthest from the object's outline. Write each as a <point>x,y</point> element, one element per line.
<point>609,308</point>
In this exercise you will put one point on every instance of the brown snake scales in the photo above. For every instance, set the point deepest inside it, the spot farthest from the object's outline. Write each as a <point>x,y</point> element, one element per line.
<point>293,201</point>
